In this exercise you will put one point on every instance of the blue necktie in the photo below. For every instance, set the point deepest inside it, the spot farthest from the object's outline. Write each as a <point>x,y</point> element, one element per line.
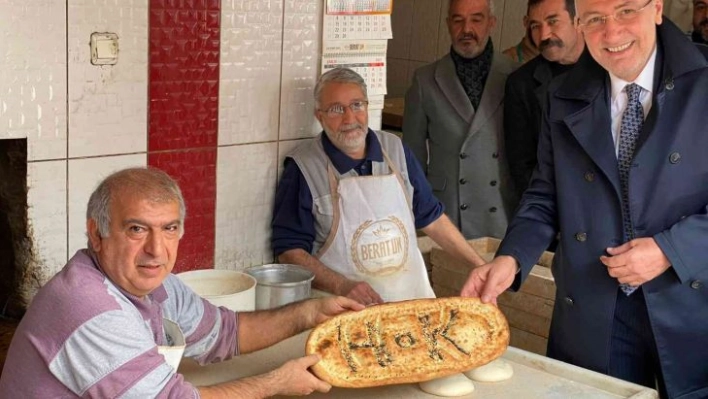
<point>632,121</point>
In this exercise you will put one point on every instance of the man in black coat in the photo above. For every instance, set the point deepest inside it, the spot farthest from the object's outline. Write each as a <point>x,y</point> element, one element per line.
<point>551,25</point>
<point>622,176</point>
<point>700,21</point>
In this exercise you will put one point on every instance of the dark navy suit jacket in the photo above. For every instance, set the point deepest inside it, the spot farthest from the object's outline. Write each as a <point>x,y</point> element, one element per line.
<point>576,190</point>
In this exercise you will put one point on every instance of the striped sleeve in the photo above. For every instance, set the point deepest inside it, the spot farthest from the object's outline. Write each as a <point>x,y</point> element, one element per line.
<point>114,355</point>
<point>210,332</point>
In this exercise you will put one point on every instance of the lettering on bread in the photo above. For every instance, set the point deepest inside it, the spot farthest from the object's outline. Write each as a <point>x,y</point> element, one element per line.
<point>409,341</point>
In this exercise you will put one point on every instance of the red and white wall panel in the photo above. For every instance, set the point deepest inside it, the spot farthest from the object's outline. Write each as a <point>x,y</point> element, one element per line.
<point>213,92</point>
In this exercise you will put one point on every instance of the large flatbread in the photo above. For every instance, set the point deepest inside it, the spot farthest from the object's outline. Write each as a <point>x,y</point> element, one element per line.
<point>408,341</point>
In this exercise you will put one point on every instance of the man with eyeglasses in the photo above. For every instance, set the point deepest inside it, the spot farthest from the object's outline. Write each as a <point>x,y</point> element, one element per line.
<point>453,119</point>
<point>349,203</point>
<point>622,174</point>
<point>552,25</point>
<point>700,22</point>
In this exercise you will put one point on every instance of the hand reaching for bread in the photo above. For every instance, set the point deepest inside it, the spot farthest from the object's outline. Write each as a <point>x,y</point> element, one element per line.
<point>294,379</point>
<point>328,307</point>
<point>487,282</point>
<point>361,292</point>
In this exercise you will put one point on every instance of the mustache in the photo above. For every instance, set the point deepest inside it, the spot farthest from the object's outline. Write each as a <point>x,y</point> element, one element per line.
<point>468,36</point>
<point>550,43</point>
<point>351,126</point>
<point>703,23</point>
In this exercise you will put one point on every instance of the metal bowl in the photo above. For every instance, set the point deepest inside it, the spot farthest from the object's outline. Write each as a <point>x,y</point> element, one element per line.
<point>280,284</point>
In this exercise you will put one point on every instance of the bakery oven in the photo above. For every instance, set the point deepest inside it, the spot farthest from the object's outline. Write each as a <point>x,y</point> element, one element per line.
<point>15,240</point>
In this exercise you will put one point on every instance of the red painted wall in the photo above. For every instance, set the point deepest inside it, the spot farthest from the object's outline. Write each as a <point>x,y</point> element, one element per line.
<point>183,114</point>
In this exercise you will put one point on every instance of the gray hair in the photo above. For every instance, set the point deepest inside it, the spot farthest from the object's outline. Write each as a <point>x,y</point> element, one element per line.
<point>339,75</point>
<point>148,183</point>
<point>489,2</point>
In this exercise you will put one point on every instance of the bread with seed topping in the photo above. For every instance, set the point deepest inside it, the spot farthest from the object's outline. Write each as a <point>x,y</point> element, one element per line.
<point>407,341</point>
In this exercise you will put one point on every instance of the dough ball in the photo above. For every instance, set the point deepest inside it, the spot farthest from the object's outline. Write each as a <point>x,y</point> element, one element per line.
<point>454,385</point>
<point>494,371</point>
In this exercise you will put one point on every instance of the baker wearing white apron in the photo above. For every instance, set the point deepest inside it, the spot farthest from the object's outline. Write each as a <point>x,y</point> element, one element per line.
<point>371,235</point>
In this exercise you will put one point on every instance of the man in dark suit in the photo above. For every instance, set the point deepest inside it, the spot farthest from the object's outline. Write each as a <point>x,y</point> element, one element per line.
<point>551,25</point>
<point>622,174</point>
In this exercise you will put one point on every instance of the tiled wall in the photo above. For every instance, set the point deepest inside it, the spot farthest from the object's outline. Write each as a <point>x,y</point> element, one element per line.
<point>183,114</point>
<point>214,92</point>
<point>107,104</point>
<point>204,90</point>
<point>33,89</point>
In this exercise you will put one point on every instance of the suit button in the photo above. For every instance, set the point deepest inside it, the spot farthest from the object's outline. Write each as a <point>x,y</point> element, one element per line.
<point>582,237</point>
<point>589,176</point>
<point>696,284</point>
<point>464,207</point>
<point>569,301</point>
<point>493,183</point>
<point>675,157</point>
<point>463,181</point>
<point>463,156</point>
<point>495,155</point>
<point>669,83</point>
<point>493,209</point>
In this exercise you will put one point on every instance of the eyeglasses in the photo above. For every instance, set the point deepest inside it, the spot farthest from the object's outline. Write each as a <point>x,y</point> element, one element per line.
<point>337,110</point>
<point>623,15</point>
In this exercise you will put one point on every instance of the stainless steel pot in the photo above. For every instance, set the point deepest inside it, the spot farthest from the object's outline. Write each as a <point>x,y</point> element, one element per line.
<point>280,284</point>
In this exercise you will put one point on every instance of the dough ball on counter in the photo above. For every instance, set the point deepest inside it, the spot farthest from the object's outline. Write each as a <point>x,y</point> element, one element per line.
<point>453,385</point>
<point>494,371</point>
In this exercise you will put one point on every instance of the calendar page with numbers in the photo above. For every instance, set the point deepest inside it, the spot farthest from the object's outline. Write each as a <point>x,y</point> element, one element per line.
<point>357,27</point>
<point>366,57</point>
<point>359,7</point>
<point>354,35</point>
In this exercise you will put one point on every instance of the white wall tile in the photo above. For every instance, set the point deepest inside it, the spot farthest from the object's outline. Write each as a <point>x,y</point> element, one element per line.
<point>245,188</point>
<point>108,103</point>
<point>249,77</point>
<point>46,199</point>
<point>84,176</point>
<point>301,59</point>
<point>33,75</point>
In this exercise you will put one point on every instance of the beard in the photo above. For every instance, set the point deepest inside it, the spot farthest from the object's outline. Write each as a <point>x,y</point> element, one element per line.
<point>347,138</point>
<point>472,49</point>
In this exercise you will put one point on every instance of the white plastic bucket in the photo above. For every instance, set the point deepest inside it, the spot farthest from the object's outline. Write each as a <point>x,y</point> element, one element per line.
<point>229,288</point>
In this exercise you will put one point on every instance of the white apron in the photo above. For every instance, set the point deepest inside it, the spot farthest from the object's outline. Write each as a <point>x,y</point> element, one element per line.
<point>373,236</point>
<point>174,338</point>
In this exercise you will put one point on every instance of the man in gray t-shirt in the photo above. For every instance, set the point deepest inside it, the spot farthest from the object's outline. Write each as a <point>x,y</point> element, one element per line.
<point>94,329</point>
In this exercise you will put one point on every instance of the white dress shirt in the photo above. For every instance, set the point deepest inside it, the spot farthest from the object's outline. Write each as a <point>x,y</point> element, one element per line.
<point>619,97</point>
